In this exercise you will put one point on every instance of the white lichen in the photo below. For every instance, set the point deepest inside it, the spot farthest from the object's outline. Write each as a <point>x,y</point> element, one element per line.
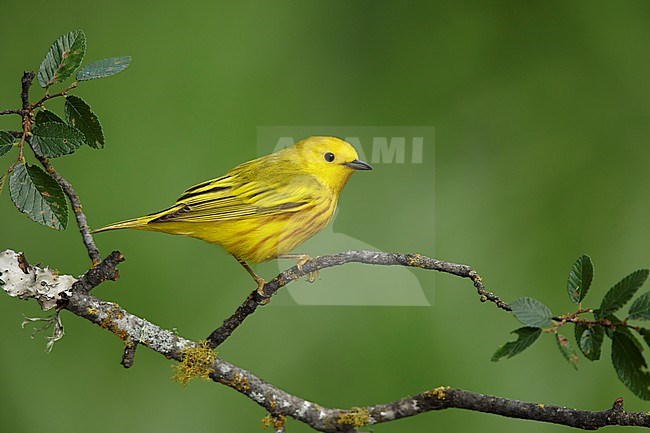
<point>25,282</point>
<point>303,409</point>
<point>257,396</point>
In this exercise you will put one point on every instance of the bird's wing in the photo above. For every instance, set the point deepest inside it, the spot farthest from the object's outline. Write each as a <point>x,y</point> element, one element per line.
<point>237,195</point>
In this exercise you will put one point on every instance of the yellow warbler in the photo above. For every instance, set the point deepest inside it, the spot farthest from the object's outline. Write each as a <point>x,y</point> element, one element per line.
<point>263,208</point>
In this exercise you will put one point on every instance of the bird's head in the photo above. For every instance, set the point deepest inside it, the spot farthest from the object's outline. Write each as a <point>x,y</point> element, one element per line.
<point>331,160</point>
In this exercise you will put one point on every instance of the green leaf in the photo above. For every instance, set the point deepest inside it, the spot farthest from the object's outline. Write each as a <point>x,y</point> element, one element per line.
<point>63,58</point>
<point>81,116</point>
<point>45,116</point>
<point>104,68</point>
<point>645,333</point>
<point>56,139</point>
<point>618,326</point>
<point>580,279</point>
<point>567,350</point>
<point>590,340</point>
<point>3,178</point>
<point>629,364</point>
<point>622,292</point>
<point>37,194</point>
<point>640,308</point>
<point>6,142</point>
<point>525,337</point>
<point>531,312</point>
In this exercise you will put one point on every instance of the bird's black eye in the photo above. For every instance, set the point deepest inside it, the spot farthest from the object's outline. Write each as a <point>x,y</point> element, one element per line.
<point>329,157</point>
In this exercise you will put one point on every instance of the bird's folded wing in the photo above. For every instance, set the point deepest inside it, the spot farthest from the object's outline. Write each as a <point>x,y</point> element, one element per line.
<point>224,198</point>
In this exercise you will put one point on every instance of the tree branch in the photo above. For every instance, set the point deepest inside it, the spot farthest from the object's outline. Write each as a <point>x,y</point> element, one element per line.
<point>135,330</point>
<point>255,299</point>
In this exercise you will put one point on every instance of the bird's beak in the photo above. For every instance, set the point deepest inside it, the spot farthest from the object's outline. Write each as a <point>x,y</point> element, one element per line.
<point>358,165</point>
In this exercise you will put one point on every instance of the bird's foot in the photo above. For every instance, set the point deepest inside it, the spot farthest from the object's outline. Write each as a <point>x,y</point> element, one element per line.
<point>261,282</point>
<point>302,259</point>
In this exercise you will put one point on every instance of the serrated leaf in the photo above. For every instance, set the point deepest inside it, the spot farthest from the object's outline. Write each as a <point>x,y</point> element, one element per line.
<point>622,292</point>
<point>45,116</point>
<point>81,116</point>
<point>104,68</point>
<point>37,194</point>
<point>525,337</point>
<point>567,350</point>
<point>6,142</point>
<point>63,58</point>
<point>56,139</point>
<point>640,308</point>
<point>629,364</point>
<point>580,277</point>
<point>645,333</point>
<point>531,312</point>
<point>590,340</point>
<point>617,326</point>
<point>3,178</point>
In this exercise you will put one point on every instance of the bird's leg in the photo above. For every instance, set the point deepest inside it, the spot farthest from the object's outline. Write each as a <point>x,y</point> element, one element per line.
<point>302,259</point>
<point>259,280</point>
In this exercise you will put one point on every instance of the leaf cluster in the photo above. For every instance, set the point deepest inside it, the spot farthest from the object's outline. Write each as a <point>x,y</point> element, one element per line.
<point>34,191</point>
<point>591,326</point>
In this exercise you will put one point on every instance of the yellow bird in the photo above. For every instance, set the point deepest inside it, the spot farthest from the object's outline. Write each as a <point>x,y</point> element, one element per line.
<point>264,208</point>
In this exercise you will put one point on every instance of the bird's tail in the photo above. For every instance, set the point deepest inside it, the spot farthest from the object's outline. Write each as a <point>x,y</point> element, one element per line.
<point>134,223</point>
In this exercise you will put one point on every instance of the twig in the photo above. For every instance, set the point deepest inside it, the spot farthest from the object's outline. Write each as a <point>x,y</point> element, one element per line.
<point>26,83</point>
<point>47,96</point>
<point>82,222</point>
<point>104,271</point>
<point>255,299</point>
<point>3,112</point>
<point>128,356</point>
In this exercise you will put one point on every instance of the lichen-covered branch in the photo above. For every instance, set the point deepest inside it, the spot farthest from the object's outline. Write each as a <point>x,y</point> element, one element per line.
<point>279,403</point>
<point>255,299</point>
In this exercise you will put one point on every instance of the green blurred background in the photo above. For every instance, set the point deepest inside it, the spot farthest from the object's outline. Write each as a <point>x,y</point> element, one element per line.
<point>541,117</point>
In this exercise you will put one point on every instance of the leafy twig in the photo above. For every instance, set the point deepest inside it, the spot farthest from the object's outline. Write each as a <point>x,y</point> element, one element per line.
<point>28,111</point>
<point>47,96</point>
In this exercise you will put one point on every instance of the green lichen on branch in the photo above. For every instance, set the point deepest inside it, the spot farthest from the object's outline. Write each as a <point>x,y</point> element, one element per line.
<point>355,417</point>
<point>109,322</point>
<point>437,393</point>
<point>275,421</point>
<point>196,362</point>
